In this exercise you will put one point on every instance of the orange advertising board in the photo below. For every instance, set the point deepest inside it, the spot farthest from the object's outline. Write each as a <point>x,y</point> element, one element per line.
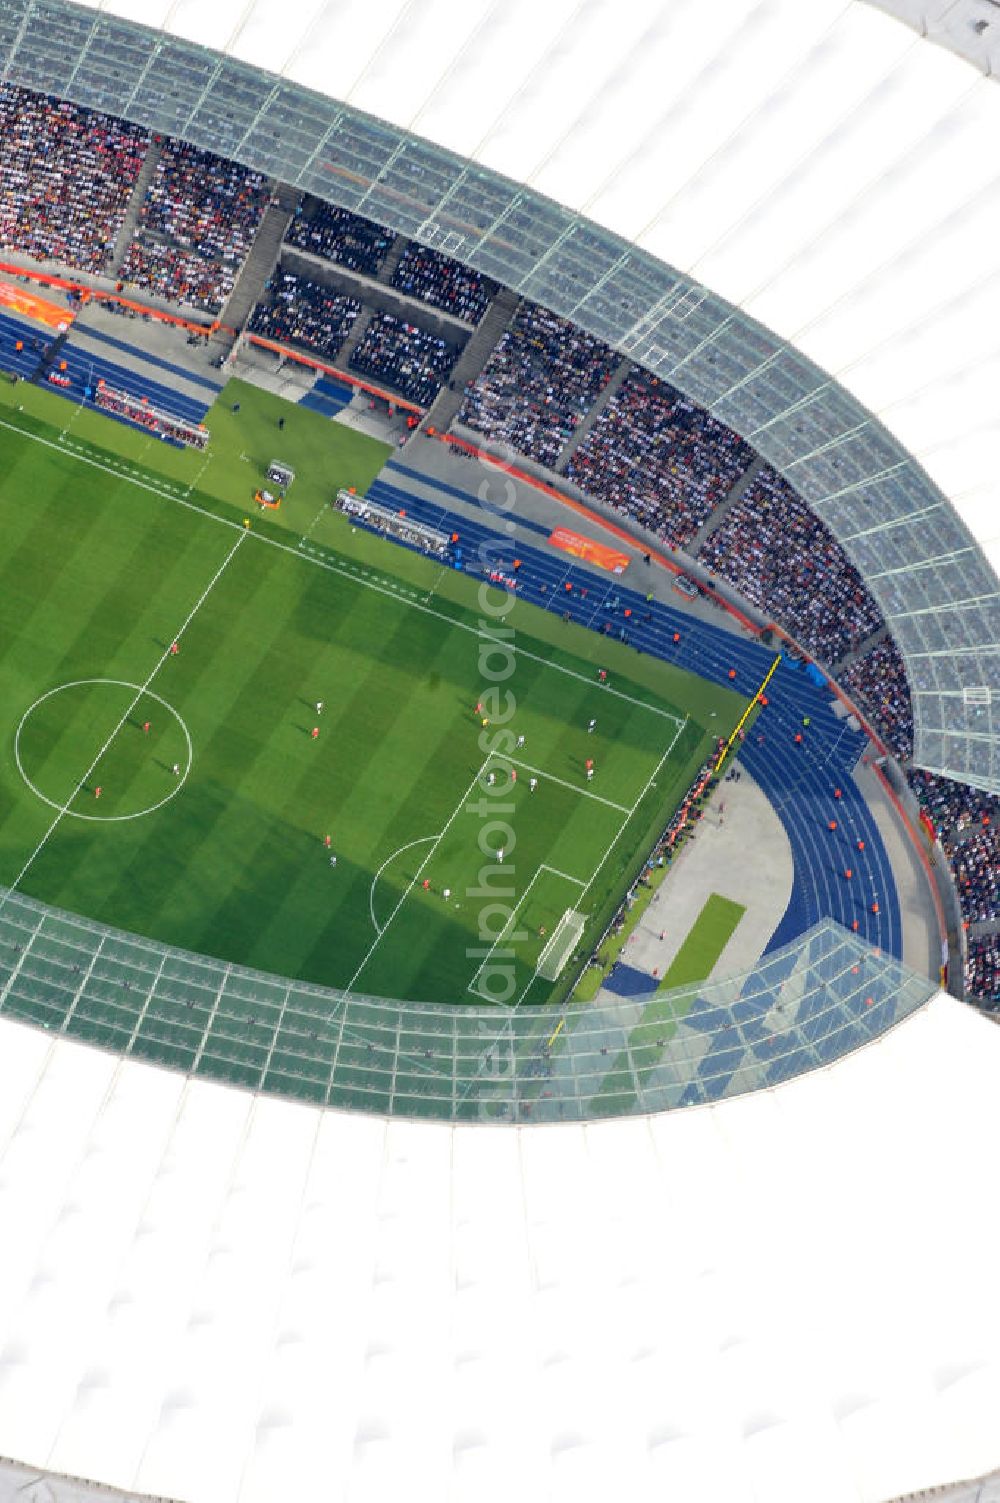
<point>592,553</point>
<point>15,299</point>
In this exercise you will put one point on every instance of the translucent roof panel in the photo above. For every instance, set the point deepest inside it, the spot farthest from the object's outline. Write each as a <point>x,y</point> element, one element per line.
<point>216,1297</point>
<point>802,1007</point>
<point>789,213</point>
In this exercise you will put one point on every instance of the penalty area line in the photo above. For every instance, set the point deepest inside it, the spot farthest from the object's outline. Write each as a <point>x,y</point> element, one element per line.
<point>437,839</point>
<point>544,867</point>
<point>550,777</point>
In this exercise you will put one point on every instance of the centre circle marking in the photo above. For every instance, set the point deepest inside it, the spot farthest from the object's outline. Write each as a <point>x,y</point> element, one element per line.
<point>120,683</point>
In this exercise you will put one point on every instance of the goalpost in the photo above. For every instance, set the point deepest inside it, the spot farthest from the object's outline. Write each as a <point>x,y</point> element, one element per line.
<point>565,937</point>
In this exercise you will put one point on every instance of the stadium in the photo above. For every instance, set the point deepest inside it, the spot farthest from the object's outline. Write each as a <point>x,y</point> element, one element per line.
<point>500,775</point>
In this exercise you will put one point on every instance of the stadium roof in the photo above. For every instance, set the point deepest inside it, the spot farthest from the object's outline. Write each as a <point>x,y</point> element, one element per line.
<point>209,1295</point>
<point>811,189</point>
<point>214,1296</point>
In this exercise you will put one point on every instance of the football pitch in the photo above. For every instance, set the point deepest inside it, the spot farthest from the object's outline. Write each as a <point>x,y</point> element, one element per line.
<point>200,797</point>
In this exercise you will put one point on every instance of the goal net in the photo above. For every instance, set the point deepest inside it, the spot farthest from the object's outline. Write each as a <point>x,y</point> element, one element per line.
<point>561,945</point>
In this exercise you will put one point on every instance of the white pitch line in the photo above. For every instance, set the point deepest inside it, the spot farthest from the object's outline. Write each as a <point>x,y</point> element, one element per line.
<point>308,554</point>
<point>60,813</point>
<point>588,885</point>
<point>649,783</point>
<point>550,777</point>
<point>421,840</point>
<point>576,881</point>
<point>500,938</point>
<point>437,839</point>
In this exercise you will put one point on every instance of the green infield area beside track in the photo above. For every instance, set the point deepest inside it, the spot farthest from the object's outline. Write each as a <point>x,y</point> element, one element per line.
<point>217,800</point>
<point>243,443</point>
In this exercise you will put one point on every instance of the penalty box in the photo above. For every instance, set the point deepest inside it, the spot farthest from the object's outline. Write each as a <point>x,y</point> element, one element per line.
<point>536,920</point>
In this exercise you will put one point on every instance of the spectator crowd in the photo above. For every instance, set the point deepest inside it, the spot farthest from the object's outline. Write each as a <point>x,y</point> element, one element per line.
<point>782,558</point>
<point>338,235</point>
<point>878,685</point>
<point>66,175</point>
<point>411,360</point>
<point>658,458</point>
<point>967,823</point>
<point>197,224</point>
<point>538,385</point>
<point>975,865</point>
<point>982,969</point>
<point>444,283</point>
<point>297,311</point>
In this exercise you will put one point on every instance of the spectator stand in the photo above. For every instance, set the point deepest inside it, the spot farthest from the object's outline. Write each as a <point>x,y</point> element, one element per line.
<point>374,296</point>
<point>966,824</point>
<point>197,225</point>
<point>337,235</point>
<point>780,556</point>
<point>298,311</point>
<point>437,279</point>
<point>878,682</point>
<point>982,971</point>
<point>404,357</point>
<point>655,456</point>
<point>66,176</point>
<point>538,384</point>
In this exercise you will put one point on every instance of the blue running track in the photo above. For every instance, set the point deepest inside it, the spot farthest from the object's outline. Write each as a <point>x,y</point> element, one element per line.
<point>798,780</point>
<point>329,396</point>
<point>84,368</point>
<point>177,370</point>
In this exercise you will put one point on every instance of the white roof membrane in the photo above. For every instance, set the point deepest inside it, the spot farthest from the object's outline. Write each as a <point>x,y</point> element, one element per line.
<point>213,1296</point>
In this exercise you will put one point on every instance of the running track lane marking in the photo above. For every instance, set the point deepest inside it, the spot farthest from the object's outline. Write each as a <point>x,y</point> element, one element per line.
<point>309,554</point>
<point>60,813</point>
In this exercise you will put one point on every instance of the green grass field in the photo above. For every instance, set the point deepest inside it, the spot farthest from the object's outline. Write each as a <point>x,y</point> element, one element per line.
<point>693,963</point>
<point>209,829</point>
<point>710,933</point>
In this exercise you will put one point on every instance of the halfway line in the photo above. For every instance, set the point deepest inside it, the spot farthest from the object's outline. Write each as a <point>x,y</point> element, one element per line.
<point>149,679</point>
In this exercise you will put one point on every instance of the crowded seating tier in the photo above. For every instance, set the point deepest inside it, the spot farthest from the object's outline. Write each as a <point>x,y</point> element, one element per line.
<point>443,282</point>
<point>878,685</point>
<point>659,459</point>
<point>982,970</point>
<point>967,823</point>
<point>295,310</point>
<point>411,360</point>
<point>781,557</point>
<point>66,175</point>
<point>538,384</point>
<point>338,235</point>
<point>197,224</point>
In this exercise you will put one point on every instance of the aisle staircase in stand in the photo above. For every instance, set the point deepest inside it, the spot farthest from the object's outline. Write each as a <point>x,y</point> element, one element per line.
<point>473,358</point>
<point>262,259</point>
<point>134,208</point>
